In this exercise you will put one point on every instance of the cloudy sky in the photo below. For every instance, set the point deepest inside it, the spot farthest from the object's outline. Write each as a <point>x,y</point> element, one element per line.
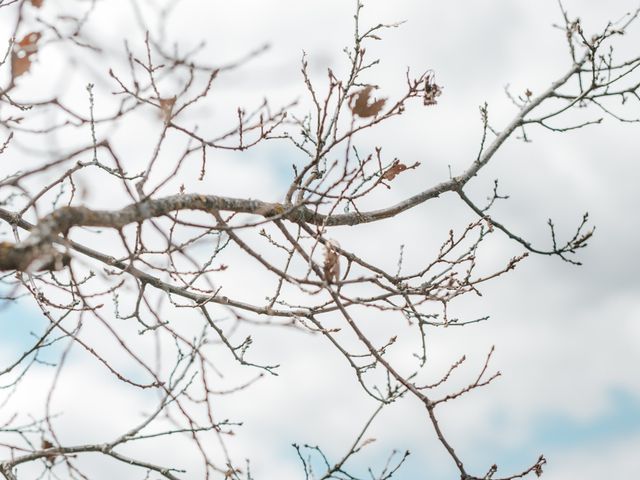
<point>567,338</point>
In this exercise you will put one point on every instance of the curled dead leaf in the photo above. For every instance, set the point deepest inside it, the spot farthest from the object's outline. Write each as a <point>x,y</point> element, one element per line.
<point>367,441</point>
<point>395,169</point>
<point>46,444</point>
<point>166,107</point>
<point>19,65</point>
<point>431,90</point>
<point>331,262</point>
<point>37,3</point>
<point>22,52</point>
<point>359,103</point>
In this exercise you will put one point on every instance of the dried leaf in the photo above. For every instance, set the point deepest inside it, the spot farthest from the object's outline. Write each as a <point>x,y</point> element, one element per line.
<point>20,57</point>
<point>37,3</point>
<point>395,169</point>
<point>50,457</point>
<point>537,468</point>
<point>367,441</point>
<point>29,42</point>
<point>331,262</point>
<point>19,65</point>
<point>431,90</point>
<point>361,106</point>
<point>166,107</point>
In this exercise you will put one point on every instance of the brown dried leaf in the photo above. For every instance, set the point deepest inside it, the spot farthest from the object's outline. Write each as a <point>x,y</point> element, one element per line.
<point>361,106</point>
<point>20,57</point>
<point>166,107</point>
<point>28,42</point>
<point>19,65</point>
<point>37,3</point>
<point>331,262</point>
<point>45,445</point>
<point>395,169</point>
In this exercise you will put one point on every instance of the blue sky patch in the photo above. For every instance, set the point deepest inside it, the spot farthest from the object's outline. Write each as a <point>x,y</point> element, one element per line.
<point>554,434</point>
